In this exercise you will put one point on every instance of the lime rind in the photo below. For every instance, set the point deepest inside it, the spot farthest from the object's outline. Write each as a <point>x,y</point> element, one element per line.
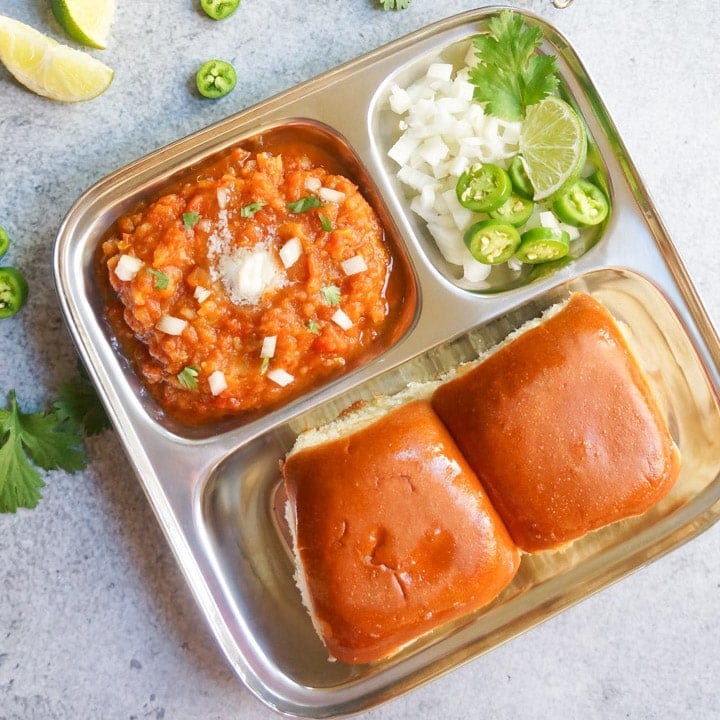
<point>49,68</point>
<point>553,145</point>
<point>85,21</point>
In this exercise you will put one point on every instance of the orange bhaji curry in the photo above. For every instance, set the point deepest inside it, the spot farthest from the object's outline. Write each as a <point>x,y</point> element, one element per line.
<point>250,284</point>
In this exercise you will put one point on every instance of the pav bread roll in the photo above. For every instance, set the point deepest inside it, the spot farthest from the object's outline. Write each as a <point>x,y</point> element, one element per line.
<point>561,428</point>
<point>393,534</point>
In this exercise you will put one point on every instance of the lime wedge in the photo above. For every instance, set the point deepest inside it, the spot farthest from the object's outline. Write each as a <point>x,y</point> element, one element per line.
<point>48,68</point>
<point>87,21</point>
<point>553,145</point>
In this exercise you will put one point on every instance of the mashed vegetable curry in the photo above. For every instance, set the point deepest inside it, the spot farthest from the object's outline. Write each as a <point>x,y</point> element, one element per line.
<point>249,284</point>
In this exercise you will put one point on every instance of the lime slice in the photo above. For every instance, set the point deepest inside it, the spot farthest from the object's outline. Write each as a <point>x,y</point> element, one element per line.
<point>87,21</point>
<point>48,68</point>
<point>553,145</point>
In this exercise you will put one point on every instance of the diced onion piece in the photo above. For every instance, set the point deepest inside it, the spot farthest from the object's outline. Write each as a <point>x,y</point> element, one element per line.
<point>268,346</point>
<point>217,382</point>
<point>312,184</point>
<point>171,325</point>
<point>548,219</point>
<point>128,267</point>
<point>440,71</point>
<point>354,265</point>
<point>290,252</point>
<point>329,195</point>
<point>340,318</point>
<point>201,294</point>
<point>280,377</point>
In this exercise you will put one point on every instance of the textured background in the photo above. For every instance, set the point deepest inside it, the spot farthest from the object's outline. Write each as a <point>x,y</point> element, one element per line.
<point>95,618</point>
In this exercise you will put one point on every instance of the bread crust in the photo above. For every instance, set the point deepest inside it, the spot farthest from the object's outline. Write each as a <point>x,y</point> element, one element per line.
<point>562,428</point>
<point>393,534</point>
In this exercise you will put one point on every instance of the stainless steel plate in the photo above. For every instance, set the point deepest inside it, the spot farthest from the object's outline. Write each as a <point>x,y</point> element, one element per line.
<point>214,490</point>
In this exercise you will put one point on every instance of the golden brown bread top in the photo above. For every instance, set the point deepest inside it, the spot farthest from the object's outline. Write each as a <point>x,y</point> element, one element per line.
<point>394,533</point>
<point>562,429</point>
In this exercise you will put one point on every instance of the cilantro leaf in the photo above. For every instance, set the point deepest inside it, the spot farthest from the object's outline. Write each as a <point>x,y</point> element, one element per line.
<point>394,4</point>
<point>78,403</point>
<point>190,219</point>
<point>161,279</point>
<point>33,439</point>
<point>304,204</point>
<point>510,74</point>
<point>331,293</point>
<point>188,377</point>
<point>250,209</point>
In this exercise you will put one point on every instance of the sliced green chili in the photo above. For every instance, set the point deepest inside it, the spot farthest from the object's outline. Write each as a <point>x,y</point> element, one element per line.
<point>483,187</point>
<point>219,9</point>
<point>492,241</point>
<point>4,241</point>
<point>13,291</point>
<point>215,78</point>
<point>543,244</point>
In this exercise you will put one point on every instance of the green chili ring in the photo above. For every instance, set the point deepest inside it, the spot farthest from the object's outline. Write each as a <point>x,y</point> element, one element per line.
<point>4,241</point>
<point>483,187</point>
<point>215,79</point>
<point>13,291</point>
<point>492,241</point>
<point>219,9</point>
<point>543,244</point>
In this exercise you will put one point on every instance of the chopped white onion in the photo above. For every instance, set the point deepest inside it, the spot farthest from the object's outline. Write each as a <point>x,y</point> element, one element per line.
<point>128,267</point>
<point>329,195</point>
<point>354,265</point>
<point>340,318</point>
<point>217,382</point>
<point>268,346</point>
<point>201,294</point>
<point>290,252</point>
<point>171,325</point>
<point>439,71</point>
<point>280,377</point>
<point>313,184</point>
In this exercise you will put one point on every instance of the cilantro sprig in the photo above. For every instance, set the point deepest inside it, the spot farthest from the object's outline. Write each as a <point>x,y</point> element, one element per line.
<point>510,74</point>
<point>45,440</point>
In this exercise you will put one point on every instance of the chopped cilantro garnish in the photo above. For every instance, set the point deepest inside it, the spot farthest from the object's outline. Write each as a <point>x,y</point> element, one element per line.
<point>265,365</point>
<point>188,376</point>
<point>190,219</point>
<point>325,222</point>
<point>313,327</point>
<point>331,293</point>
<point>304,204</point>
<point>510,74</point>
<point>251,208</point>
<point>161,279</point>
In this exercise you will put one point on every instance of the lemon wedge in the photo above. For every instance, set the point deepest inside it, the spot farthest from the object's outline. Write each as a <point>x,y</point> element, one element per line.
<point>49,68</point>
<point>87,21</point>
<point>553,145</point>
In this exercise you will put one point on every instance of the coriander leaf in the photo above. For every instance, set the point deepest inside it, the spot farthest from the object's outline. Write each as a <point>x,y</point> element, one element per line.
<point>331,293</point>
<point>190,219</point>
<point>251,208</point>
<point>161,279</point>
<point>304,204</point>
<point>325,222</point>
<point>313,327</point>
<point>79,404</point>
<point>188,377</point>
<point>394,4</point>
<point>264,365</point>
<point>43,438</point>
<point>510,74</point>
